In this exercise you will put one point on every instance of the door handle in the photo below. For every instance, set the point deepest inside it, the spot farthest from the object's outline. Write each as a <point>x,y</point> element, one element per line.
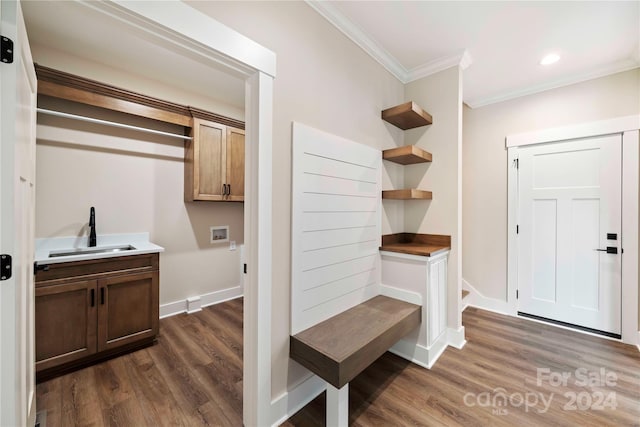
<point>93,297</point>
<point>609,250</point>
<point>228,189</point>
<point>102,296</point>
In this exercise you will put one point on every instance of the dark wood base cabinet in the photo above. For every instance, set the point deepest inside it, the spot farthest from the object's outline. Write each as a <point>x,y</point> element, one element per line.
<point>89,310</point>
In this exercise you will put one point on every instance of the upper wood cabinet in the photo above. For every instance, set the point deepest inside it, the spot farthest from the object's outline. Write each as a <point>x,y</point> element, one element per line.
<point>235,164</point>
<point>214,163</point>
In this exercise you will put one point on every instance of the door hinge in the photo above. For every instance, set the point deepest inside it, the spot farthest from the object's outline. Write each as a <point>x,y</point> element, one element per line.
<point>245,269</point>
<point>5,267</point>
<point>517,294</point>
<point>6,50</point>
<point>516,163</point>
<point>517,229</point>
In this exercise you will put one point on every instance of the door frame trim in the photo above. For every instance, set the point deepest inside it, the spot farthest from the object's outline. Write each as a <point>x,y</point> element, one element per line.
<point>629,128</point>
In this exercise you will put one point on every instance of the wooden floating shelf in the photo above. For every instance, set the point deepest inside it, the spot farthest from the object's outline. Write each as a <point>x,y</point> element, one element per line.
<point>407,116</point>
<point>416,244</point>
<point>407,155</point>
<point>407,194</point>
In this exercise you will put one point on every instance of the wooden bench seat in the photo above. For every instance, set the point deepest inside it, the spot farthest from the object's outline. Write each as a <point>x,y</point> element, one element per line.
<point>342,346</point>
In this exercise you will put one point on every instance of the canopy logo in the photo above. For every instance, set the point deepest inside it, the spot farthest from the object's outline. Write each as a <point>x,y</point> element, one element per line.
<point>593,397</point>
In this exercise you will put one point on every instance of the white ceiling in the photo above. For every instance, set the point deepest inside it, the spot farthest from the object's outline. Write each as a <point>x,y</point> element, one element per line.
<point>500,43</point>
<point>78,30</point>
<point>503,41</point>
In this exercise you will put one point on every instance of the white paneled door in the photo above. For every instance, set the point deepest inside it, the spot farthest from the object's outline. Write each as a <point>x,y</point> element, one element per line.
<point>569,217</point>
<point>17,200</point>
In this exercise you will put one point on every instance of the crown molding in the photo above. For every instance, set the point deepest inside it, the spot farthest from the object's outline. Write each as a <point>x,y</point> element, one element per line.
<point>380,54</point>
<point>463,59</point>
<point>602,71</point>
<point>366,43</point>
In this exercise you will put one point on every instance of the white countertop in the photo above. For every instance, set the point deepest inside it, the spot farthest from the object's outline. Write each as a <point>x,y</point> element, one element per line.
<point>140,241</point>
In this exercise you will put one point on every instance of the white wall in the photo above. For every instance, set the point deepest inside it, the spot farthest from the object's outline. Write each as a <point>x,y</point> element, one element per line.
<point>441,96</point>
<point>135,181</point>
<point>123,78</point>
<point>325,81</point>
<point>485,162</point>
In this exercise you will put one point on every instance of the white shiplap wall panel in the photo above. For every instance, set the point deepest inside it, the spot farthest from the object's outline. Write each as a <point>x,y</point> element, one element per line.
<point>340,287</point>
<point>335,225</point>
<point>326,184</point>
<point>313,202</point>
<point>329,256</point>
<point>324,275</point>
<point>338,220</point>
<point>338,168</point>
<point>316,311</point>
<point>313,240</point>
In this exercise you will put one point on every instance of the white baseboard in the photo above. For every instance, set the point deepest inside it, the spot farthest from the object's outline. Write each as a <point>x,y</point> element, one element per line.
<point>194,304</point>
<point>455,337</point>
<point>401,294</point>
<point>420,354</point>
<point>476,299</point>
<point>283,407</point>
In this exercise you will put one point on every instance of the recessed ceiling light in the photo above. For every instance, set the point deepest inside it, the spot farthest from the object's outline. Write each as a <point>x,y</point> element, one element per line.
<point>550,59</point>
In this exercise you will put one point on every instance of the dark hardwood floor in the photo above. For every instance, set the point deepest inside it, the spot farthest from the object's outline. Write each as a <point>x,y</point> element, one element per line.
<point>193,377</point>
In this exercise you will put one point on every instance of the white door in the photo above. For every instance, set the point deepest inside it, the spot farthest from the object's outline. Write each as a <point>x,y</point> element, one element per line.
<point>569,210</point>
<point>17,200</point>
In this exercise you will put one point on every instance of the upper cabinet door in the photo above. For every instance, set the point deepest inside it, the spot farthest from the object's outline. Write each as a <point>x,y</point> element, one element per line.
<point>214,163</point>
<point>205,166</point>
<point>235,165</point>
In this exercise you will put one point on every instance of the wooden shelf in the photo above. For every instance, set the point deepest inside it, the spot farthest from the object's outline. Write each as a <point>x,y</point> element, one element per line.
<point>407,155</point>
<point>416,244</point>
<point>407,194</point>
<point>407,116</point>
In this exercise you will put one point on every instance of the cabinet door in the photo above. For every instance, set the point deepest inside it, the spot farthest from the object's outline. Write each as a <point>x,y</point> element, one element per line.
<point>127,309</point>
<point>235,164</point>
<point>65,322</point>
<point>205,161</point>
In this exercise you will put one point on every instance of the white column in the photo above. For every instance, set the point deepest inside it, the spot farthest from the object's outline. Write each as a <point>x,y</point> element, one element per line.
<point>337,406</point>
<point>257,232</point>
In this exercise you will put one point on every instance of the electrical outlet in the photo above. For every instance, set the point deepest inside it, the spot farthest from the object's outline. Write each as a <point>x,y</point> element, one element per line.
<point>232,245</point>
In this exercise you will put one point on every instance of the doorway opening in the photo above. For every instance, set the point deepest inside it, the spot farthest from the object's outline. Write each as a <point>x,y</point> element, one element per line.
<point>219,53</point>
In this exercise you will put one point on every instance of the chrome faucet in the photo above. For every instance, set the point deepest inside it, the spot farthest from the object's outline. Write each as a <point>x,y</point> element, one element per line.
<point>92,227</point>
